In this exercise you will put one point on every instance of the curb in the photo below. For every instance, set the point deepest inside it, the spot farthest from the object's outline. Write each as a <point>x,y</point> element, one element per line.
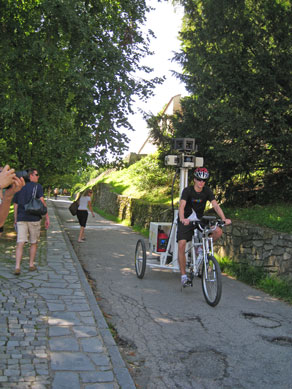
<point>121,371</point>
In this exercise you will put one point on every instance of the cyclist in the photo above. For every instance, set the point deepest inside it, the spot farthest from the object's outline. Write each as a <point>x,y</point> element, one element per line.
<point>194,199</point>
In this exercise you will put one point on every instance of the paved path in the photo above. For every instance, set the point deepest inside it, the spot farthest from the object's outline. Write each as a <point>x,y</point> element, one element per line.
<point>52,332</point>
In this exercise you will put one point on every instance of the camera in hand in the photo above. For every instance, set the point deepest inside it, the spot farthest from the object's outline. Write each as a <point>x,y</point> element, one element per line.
<point>19,174</point>
<point>22,173</point>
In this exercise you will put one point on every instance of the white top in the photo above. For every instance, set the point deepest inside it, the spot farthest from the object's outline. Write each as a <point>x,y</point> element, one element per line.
<point>193,217</point>
<point>83,202</point>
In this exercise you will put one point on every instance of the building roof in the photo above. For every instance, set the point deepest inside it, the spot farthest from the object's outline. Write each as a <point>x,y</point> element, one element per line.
<point>171,108</point>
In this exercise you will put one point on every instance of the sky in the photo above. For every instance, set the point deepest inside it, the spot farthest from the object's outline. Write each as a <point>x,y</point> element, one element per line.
<point>165,22</point>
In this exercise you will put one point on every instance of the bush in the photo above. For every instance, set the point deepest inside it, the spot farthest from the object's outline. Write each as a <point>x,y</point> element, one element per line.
<point>148,173</point>
<point>259,278</point>
<point>249,274</point>
<point>77,188</point>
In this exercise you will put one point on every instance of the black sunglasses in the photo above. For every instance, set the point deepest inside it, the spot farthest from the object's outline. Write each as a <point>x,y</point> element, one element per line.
<point>199,179</point>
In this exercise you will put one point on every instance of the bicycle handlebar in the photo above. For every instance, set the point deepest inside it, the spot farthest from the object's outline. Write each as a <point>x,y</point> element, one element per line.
<point>212,221</point>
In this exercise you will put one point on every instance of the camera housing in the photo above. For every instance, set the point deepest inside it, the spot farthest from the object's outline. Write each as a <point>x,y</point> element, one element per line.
<point>186,159</point>
<point>185,145</point>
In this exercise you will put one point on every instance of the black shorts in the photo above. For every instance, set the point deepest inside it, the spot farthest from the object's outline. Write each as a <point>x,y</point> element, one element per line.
<point>82,217</point>
<point>184,232</point>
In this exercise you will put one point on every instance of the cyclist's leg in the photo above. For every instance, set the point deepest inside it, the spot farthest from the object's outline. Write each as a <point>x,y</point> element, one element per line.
<point>216,234</point>
<point>182,256</point>
<point>185,281</point>
<point>184,234</point>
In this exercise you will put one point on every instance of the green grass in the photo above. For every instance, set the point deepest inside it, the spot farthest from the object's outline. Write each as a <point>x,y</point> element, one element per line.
<point>278,217</point>
<point>258,278</point>
<point>139,229</point>
<point>145,180</point>
<point>109,216</point>
<point>10,218</point>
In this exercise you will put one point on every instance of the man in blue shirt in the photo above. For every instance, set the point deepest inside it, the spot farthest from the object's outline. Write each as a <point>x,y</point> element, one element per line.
<point>28,225</point>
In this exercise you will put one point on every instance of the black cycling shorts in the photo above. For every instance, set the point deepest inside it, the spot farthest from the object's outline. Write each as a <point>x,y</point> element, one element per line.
<point>184,232</point>
<point>82,217</point>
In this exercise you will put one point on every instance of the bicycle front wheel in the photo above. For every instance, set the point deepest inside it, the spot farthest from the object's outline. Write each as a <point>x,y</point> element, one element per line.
<point>140,258</point>
<point>211,281</point>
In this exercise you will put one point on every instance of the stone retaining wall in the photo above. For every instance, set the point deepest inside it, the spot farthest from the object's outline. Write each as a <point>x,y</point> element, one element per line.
<point>126,208</point>
<point>257,246</point>
<point>243,242</point>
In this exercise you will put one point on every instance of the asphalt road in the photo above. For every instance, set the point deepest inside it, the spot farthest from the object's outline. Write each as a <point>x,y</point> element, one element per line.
<point>173,339</point>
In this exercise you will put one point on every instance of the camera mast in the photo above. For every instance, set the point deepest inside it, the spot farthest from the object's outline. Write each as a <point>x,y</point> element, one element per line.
<point>185,160</point>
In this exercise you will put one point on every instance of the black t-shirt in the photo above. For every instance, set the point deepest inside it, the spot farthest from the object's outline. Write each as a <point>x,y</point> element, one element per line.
<point>196,200</point>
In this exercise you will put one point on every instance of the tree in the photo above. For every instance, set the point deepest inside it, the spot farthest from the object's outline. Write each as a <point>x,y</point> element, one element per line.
<point>237,66</point>
<point>67,80</point>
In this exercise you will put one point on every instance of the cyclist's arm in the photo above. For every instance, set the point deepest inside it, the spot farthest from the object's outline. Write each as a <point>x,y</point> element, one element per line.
<point>181,212</point>
<point>219,212</point>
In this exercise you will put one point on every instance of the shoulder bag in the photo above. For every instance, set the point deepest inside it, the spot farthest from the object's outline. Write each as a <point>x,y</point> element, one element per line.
<point>35,206</point>
<point>74,207</point>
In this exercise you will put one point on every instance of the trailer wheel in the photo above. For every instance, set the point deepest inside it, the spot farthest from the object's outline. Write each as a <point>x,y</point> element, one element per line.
<point>140,258</point>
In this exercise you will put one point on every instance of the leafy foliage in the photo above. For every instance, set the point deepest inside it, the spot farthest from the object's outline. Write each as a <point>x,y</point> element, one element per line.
<point>145,179</point>
<point>149,174</point>
<point>66,80</point>
<point>237,63</point>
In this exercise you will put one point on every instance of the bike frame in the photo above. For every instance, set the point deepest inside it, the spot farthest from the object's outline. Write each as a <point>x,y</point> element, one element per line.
<point>200,239</point>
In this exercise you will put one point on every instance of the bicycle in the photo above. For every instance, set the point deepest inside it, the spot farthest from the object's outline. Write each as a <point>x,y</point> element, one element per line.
<point>205,266</point>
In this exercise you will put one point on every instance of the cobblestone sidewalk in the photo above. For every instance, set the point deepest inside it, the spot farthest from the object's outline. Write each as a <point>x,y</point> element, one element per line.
<point>52,332</point>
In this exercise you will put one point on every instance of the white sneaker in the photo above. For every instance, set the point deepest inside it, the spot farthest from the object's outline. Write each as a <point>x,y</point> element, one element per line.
<point>185,282</point>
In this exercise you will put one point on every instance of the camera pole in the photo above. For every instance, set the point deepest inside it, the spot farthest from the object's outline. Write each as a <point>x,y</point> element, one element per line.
<point>185,161</point>
<point>183,179</point>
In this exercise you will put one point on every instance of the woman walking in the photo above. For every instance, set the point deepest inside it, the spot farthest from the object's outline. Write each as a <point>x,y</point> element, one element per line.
<point>82,212</point>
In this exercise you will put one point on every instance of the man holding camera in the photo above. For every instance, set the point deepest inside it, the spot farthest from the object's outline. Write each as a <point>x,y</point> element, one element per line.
<point>11,184</point>
<point>28,225</point>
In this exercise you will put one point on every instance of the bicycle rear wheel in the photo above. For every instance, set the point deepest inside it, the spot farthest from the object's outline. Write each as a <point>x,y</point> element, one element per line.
<point>140,258</point>
<point>211,281</point>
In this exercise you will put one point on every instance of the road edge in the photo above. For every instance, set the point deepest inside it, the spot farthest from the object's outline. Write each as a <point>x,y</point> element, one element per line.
<point>120,369</point>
